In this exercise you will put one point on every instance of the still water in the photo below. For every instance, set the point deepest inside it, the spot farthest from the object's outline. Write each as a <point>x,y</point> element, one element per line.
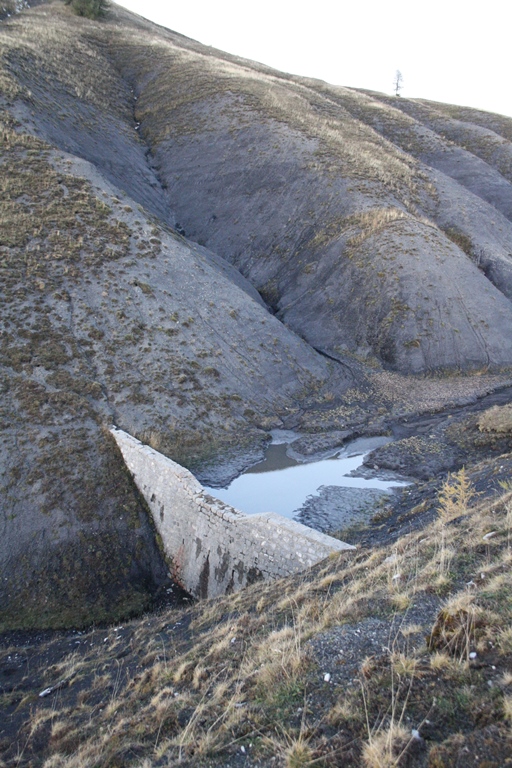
<point>281,484</point>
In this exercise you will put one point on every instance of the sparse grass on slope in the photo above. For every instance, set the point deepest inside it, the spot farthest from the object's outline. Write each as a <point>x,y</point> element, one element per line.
<point>107,316</point>
<point>396,657</point>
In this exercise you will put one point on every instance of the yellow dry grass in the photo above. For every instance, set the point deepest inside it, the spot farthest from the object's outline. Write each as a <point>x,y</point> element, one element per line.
<point>249,655</point>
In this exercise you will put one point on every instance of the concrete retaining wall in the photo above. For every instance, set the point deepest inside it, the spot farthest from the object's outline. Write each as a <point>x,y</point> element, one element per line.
<point>212,548</point>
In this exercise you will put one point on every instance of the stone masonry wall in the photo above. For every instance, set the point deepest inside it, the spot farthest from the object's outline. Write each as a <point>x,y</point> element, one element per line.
<point>212,548</point>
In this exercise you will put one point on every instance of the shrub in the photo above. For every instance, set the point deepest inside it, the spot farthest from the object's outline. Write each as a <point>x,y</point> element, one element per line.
<point>10,7</point>
<point>497,419</point>
<point>92,9</point>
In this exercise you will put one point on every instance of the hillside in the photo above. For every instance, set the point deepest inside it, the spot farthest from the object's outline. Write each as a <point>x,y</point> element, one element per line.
<point>399,656</point>
<point>352,214</point>
<point>197,248</point>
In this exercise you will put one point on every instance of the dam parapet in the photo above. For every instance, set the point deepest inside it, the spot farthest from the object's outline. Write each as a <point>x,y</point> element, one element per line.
<point>212,548</point>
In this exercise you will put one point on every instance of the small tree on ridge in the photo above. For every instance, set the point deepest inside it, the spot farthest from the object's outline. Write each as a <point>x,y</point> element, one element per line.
<point>398,82</point>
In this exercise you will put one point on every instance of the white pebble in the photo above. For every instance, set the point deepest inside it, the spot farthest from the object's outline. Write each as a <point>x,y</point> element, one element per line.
<point>327,677</point>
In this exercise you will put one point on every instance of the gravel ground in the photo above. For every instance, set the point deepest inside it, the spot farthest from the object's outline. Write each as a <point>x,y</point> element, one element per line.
<point>340,650</point>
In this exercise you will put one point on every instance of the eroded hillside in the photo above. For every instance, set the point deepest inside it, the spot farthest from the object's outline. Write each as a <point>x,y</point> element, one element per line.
<point>198,248</point>
<point>367,230</point>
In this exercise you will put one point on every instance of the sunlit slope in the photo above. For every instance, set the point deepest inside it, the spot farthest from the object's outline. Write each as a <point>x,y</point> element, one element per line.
<point>468,156</point>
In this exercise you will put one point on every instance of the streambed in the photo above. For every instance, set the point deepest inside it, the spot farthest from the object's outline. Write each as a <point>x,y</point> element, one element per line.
<point>324,492</point>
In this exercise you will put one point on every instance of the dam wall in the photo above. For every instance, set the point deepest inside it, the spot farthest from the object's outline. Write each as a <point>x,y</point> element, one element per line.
<point>213,549</point>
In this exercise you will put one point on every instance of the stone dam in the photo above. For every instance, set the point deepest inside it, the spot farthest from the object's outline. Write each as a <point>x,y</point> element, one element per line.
<point>213,549</point>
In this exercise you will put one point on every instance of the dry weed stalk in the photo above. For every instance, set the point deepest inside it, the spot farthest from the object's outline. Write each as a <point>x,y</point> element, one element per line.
<point>388,739</point>
<point>507,708</point>
<point>454,499</point>
<point>455,496</point>
<point>508,523</point>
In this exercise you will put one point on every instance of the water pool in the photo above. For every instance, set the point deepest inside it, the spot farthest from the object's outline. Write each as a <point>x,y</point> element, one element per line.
<point>281,483</point>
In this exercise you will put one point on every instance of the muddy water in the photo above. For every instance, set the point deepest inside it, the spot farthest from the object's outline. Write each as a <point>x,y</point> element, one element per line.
<point>282,482</point>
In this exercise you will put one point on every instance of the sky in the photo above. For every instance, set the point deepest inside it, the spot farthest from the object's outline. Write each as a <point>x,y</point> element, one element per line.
<point>446,50</point>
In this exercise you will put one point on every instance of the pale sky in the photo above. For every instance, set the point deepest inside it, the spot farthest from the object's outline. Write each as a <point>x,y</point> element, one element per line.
<point>446,50</point>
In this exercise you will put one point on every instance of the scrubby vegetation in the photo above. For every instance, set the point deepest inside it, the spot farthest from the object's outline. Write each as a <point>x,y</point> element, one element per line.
<point>400,656</point>
<point>91,9</point>
<point>9,7</point>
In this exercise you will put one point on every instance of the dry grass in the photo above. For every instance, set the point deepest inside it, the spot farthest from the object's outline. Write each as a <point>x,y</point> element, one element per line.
<point>373,221</point>
<point>385,749</point>
<point>294,751</point>
<point>188,80</point>
<point>507,708</point>
<point>421,394</point>
<point>497,419</point>
<point>247,676</point>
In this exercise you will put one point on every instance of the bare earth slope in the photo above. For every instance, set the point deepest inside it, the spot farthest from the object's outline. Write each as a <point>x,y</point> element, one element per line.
<point>108,317</point>
<point>365,229</point>
<point>366,250</point>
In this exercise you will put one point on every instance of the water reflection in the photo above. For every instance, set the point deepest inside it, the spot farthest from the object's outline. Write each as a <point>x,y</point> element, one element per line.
<point>275,459</point>
<point>281,484</point>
